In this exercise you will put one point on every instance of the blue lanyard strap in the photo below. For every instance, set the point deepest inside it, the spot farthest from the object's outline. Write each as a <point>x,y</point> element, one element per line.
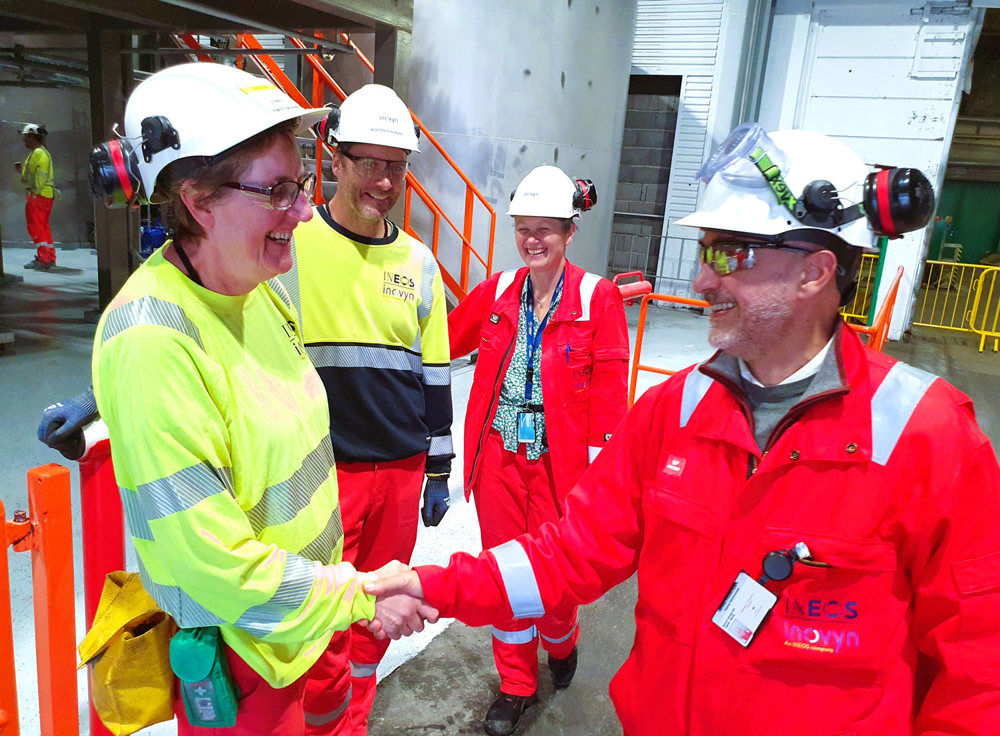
<point>534,339</point>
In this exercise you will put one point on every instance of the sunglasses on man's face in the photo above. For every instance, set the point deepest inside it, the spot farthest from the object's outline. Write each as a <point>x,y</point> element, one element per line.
<point>728,256</point>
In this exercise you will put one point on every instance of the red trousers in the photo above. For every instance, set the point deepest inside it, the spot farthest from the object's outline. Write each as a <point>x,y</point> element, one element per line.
<point>516,495</point>
<point>379,507</point>
<point>37,210</point>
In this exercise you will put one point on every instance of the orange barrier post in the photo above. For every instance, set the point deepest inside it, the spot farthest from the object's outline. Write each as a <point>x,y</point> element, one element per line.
<point>47,532</point>
<point>637,353</point>
<point>13,532</point>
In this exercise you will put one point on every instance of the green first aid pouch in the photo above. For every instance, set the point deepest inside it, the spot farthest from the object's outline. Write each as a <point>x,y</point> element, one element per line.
<point>210,696</point>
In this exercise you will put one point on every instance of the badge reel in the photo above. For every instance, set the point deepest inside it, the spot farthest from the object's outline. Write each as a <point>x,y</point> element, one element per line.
<point>748,602</point>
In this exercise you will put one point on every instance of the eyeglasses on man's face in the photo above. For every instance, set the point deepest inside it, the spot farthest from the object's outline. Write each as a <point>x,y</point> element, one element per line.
<point>728,256</point>
<point>280,195</point>
<point>376,168</point>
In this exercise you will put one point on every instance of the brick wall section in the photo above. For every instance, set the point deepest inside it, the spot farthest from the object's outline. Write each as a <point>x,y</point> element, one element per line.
<point>643,175</point>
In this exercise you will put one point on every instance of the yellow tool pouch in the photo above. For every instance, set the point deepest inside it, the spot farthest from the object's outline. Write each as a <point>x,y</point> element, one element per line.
<point>128,653</point>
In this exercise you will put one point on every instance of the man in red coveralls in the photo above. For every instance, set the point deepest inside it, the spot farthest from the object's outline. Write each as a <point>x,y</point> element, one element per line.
<point>814,525</point>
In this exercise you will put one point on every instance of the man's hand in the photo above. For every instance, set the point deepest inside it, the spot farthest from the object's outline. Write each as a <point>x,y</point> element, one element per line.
<point>62,424</point>
<point>436,499</point>
<point>399,607</point>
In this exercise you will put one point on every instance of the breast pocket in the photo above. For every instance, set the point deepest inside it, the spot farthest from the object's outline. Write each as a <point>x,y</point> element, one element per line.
<point>577,364</point>
<point>836,618</point>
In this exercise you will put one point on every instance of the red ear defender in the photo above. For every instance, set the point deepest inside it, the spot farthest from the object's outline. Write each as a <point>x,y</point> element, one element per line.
<point>585,196</point>
<point>113,174</point>
<point>898,201</point>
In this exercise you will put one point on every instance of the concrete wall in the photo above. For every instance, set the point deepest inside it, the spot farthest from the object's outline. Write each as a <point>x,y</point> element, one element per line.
<point>66,114</point>
<point>508,86</point>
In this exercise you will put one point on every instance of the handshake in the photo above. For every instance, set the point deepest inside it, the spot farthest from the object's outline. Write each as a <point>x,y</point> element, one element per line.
<point>400,609</point>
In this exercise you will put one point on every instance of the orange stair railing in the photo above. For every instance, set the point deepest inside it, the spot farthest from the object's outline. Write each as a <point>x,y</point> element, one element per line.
<point>46,531</point>
<point>323,81</point>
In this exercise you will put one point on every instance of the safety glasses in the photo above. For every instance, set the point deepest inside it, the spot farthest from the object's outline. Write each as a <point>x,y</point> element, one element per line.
<point>376,168</point>
<point>728,256</point>
<point>281,195</point>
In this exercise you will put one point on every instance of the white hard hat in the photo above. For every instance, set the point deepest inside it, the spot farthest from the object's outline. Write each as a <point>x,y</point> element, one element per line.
<point>203,109</point>
<point>816,168</point>
<point>34,129</point>
<point>547,191</point>
<point>374,114</point>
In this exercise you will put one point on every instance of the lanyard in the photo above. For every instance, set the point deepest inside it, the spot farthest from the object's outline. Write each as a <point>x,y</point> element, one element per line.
<point>534,338</point>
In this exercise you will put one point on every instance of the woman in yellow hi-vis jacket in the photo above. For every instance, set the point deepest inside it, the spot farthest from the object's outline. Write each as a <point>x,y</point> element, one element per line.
<point>219,424</point>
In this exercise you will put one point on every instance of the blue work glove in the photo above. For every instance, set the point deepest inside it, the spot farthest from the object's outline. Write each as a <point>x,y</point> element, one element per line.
<point>63,422</point>
<point>435,500</point>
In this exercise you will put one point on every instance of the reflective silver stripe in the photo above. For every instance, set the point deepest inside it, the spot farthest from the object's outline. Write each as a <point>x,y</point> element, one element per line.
<point>279,288</point>
<point>427,274</point>
<point>437,375</point>
<point>525,636</point>
<point>560,639</point>
<point>182,490</point>
<point>290,280</point>
<point>518,580</point>
<point>321,719</point>
<point>321,548</point>
<point>186,610</point>
<point>297,581</point>
<point>281,502</point>
<point>138,525</point>
<point>148,310</point>
<point>359,669</point>
<point>696,385</point>
<point>892,406</point>
<point>441,446</point>
<point>587,286</point>
<point>364,356</point>
<point>505,280</point>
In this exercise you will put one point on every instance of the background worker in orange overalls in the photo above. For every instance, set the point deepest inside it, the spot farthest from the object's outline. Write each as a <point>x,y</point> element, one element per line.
<point>38,178</point>
<point>549,388</point>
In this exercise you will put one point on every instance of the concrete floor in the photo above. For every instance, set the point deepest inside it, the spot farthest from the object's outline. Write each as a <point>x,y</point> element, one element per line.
<point>439,682</point>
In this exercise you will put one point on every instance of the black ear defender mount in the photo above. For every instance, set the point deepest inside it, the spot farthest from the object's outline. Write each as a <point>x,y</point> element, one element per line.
<point>894,200</point>
<point>585,195</point>
<point>113,167</point>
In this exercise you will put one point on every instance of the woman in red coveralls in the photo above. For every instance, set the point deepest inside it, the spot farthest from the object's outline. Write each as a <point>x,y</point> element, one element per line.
<point>549,388</point>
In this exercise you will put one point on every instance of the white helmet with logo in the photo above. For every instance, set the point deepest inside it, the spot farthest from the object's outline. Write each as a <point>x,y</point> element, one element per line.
<point>203,109</point>
<point>825,175</point>
<point>374,114</point>
<point>34,129</point>
<point>546,191</point>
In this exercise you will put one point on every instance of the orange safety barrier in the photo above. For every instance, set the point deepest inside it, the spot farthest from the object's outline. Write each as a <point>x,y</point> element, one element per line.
<point>877,332</point>
<point>637,355</point>
<point>46,530</point>
<point>632,290</point>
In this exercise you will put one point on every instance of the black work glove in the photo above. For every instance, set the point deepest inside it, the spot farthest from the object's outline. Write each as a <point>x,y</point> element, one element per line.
<point>436,499</point>
<point>63,422</point>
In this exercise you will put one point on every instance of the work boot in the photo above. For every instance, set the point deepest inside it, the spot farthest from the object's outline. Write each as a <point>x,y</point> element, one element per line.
<point>36,265</point>
<point>505,712</point>
<point>562,670</point>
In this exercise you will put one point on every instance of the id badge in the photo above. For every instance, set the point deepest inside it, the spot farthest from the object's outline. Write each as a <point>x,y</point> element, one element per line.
<point>525,427</point>
<point>743,611</point>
